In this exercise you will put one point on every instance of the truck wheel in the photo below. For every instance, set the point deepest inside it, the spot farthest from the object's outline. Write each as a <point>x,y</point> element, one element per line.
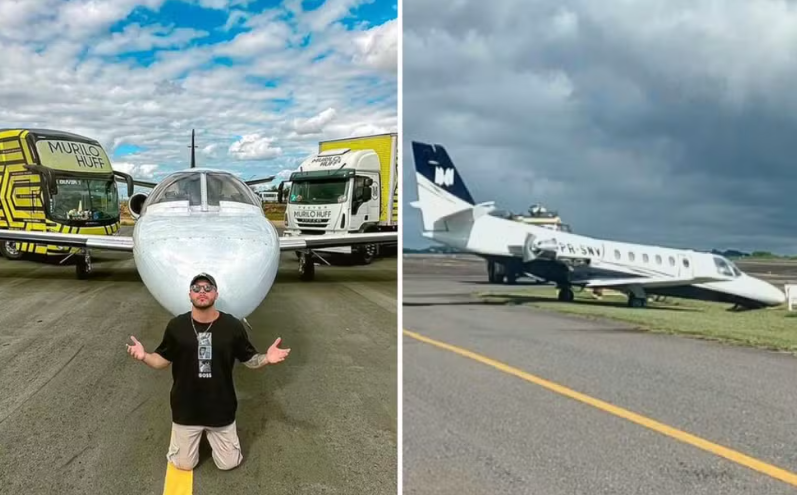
<point>10,251</point>
<point>306,267</point>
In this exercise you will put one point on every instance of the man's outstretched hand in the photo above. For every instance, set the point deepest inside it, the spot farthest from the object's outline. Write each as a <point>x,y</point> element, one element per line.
<point>136,350</point>
<point>275,354</point>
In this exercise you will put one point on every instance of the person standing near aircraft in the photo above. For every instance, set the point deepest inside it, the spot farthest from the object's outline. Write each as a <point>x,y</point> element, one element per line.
<point>203,345</point>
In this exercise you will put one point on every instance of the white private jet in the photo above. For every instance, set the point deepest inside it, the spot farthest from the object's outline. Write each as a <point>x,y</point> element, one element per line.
<point>202,220</point>
<point>511,248</point>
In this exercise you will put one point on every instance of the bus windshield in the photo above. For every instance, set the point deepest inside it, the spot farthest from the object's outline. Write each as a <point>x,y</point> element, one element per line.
<point>319,192</point>
<point>84,199</point>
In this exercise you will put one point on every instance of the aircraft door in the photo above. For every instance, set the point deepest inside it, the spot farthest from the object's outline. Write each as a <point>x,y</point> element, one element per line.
<point>685,269</point>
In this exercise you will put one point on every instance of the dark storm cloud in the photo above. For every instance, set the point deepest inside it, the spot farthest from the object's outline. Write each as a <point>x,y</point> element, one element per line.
<point>672,122</point>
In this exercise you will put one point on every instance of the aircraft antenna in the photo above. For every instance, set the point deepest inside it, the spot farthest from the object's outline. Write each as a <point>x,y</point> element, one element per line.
<point>193,147</point>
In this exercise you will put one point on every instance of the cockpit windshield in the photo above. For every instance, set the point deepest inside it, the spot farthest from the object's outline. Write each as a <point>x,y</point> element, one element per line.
<point>726,267</point>
<point>181,187</point>
<point>188,187</point>
<point>225,187</point>
<point>84,199</point>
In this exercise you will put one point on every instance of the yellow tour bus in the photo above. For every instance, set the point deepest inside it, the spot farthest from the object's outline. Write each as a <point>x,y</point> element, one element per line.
<point>56,181</point>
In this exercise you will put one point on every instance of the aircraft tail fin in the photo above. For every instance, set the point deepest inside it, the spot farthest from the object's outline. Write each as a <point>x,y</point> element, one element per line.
<point>441,190</point>
<point>433,163</point>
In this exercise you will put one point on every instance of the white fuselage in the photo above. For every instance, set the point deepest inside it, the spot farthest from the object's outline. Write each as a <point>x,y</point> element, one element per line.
<point>450,221</point>
<point>236,244</point>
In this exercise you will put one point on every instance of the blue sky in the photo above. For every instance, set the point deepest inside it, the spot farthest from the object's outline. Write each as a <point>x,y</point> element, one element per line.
<point>261,81</point>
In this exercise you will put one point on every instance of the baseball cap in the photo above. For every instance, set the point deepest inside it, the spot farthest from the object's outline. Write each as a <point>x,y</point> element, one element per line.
<point>203,276</point>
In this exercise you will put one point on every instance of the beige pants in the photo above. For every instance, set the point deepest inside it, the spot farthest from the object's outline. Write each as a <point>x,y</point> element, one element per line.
<point>184,446</point>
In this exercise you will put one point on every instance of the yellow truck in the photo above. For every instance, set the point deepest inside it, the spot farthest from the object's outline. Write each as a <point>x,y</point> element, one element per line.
<point>350,185</point>
<point>56,181</point>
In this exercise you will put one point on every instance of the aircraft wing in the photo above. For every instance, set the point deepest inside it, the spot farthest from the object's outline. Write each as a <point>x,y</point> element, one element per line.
<point>129,179</point>
<point>651,282</point>
<point>264,180</point>
<point>288,243</point>
<point>143,183</point>
<point>125,243</point>
<point>109,242</point>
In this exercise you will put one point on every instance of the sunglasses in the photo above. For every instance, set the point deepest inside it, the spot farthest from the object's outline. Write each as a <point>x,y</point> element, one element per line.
<point>204,288</point>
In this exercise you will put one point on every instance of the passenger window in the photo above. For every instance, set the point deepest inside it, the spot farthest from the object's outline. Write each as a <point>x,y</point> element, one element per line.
<point>617,253</point>
<point>645,258</point>
<point>630,256</point>
<point>658,259</point>
<point>672,261</point>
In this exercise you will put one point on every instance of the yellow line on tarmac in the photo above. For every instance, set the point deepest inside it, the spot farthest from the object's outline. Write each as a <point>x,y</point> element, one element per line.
<point>178,481</point>
<point>732,455</point>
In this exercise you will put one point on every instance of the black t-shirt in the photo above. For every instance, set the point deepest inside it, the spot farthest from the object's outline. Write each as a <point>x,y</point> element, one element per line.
<point>203,393</point>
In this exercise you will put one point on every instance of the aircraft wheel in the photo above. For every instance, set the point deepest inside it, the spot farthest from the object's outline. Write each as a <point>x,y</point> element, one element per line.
<point>83,266</point>
<point>499,273</point>
<point>10,250</point>
<point>306,267</point>
<point>566,294</point>
<point>637,302</point>
<point>365,253</point>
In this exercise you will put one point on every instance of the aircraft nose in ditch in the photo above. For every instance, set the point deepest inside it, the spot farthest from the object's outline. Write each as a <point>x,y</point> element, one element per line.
<point>767,293</point>
<point>776,296</point>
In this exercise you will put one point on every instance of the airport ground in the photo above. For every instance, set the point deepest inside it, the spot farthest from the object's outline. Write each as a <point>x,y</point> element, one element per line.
<point>79,415</point>
<point>513,398</point>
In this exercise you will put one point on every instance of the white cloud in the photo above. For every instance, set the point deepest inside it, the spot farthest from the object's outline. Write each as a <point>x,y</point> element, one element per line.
<point>142,171</point>
<point>255,147</point>
<point>315,124</point>
<point>136,38</point>
<point>378,47</point>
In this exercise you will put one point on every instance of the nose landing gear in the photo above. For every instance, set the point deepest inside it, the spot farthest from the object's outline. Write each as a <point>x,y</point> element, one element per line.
<point>83,266</point>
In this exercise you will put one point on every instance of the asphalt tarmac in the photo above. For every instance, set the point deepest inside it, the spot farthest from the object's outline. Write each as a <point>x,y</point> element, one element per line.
<point>78,415</point>
<point>473,426</point>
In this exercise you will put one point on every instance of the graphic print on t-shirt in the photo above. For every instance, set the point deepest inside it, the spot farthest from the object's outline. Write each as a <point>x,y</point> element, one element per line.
<point>205,353</point>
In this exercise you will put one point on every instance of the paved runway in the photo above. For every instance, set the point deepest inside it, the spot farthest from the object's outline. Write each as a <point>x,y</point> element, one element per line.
<point>474,427</point>
<point>78,415</point>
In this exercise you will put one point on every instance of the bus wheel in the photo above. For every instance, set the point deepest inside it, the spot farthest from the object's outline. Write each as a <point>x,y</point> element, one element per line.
<point>83,266</point>
<point>10,251</point>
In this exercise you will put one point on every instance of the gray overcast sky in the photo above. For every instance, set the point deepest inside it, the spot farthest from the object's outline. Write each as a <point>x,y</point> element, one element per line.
<point>669,122</point>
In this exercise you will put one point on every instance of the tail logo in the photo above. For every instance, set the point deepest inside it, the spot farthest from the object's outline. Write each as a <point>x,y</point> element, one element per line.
<point>444,177</point>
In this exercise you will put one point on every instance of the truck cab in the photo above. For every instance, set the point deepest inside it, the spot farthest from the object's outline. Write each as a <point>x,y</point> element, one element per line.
<point>334,192</point>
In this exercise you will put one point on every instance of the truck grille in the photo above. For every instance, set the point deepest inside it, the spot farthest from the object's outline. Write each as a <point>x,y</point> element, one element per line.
<point>313,223</point>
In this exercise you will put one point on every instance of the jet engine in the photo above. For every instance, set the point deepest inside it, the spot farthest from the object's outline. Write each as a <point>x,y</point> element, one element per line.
<point>536,248</point>
<point>136,203</point>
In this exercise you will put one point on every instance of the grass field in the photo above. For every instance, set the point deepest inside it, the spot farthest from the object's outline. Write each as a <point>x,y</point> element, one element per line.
<point>774,328</point>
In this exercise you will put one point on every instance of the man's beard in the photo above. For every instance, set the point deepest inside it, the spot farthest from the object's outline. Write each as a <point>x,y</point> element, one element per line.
<point>200,305</point>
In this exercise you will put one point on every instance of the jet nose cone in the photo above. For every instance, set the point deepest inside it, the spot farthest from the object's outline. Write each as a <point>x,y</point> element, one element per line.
<point>771,294</point>
<point>778,297</point>
<point>244,267</point>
